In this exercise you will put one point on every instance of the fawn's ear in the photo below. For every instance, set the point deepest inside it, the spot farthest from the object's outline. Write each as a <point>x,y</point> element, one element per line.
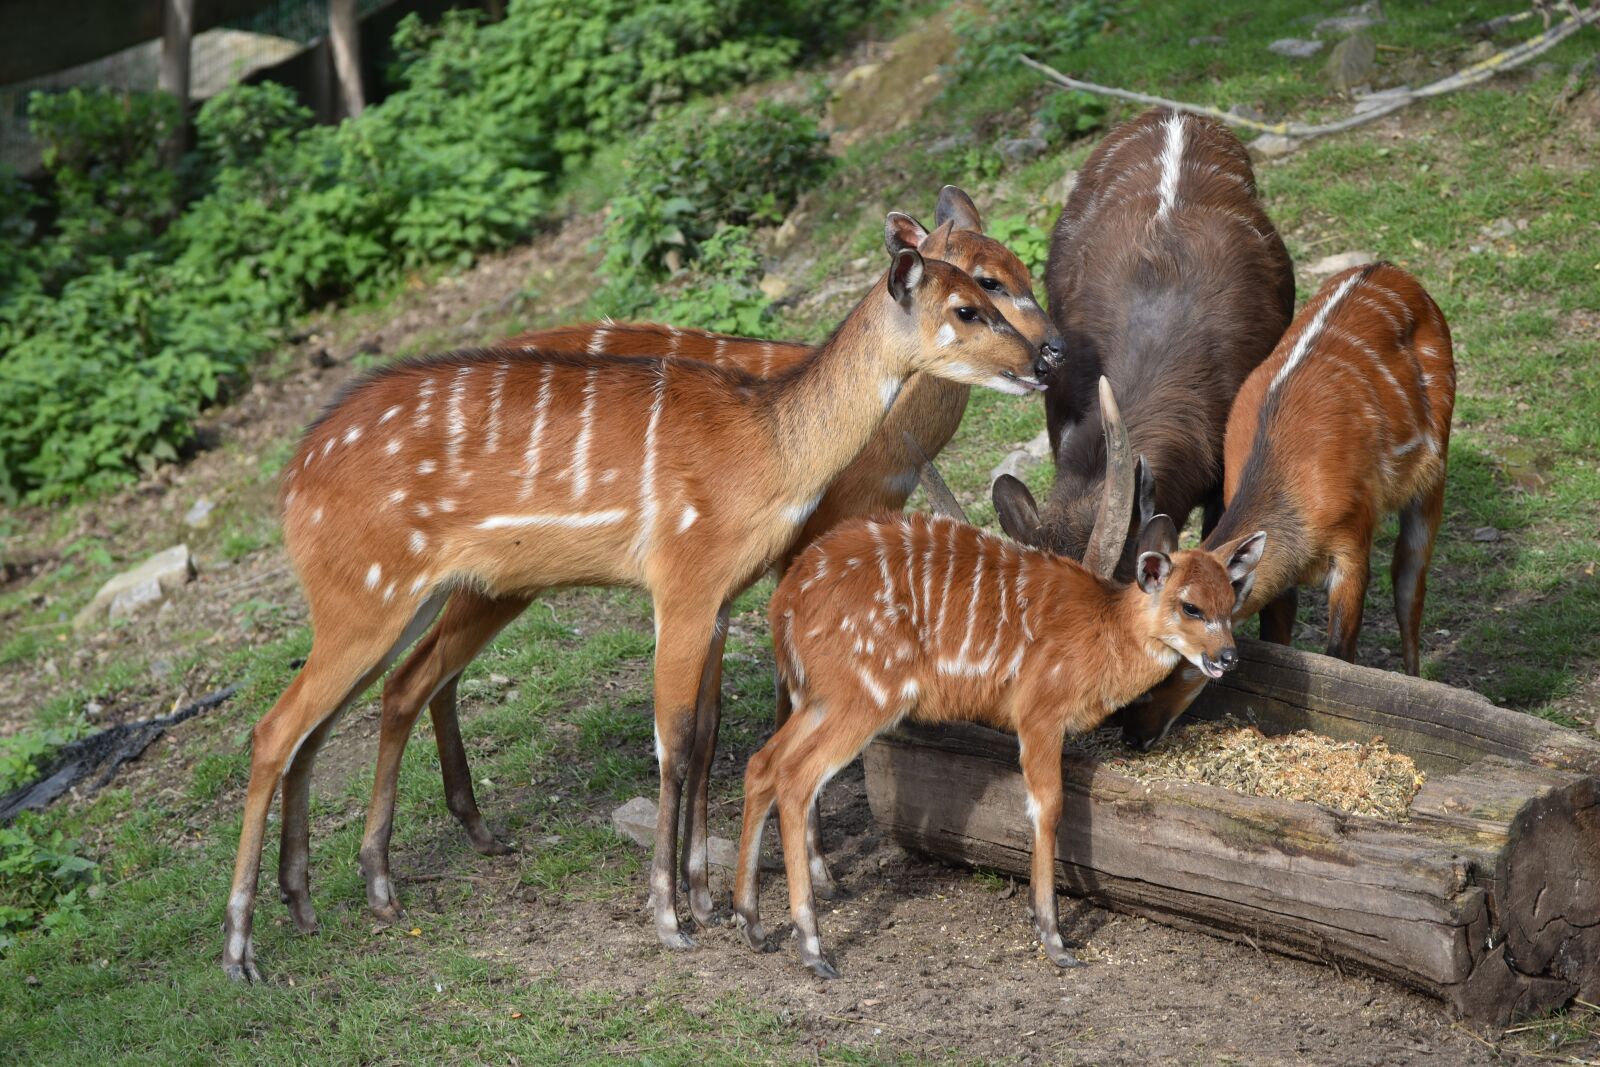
<point>1240,557</point>
<point>1015,507</point>
<point>902,231</point>
<point>1145,479</point>
<point>1152,571</point>
<point>957,207</point>
<point>1159,535</point>
<point>905,274</point>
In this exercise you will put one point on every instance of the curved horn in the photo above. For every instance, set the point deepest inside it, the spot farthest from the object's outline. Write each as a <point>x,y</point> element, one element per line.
<point>1110,534</point>
<point>939,495</point>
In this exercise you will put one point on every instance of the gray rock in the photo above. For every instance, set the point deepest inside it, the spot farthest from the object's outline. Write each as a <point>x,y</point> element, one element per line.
<point>1015,464</point>
<point>1486,535</point>
<point>1245,111</point>
<point>1352,62</point>
<point>132,591</point>
<point>1336,263</point>
<point>1020,149</point>
<point>774,287</point>
<point>1273,145</point>
<point>1039,447</point>
<point>636,821</point>
<point>1499,228</point>
<point>1295,48</point>
<point>199,515</point>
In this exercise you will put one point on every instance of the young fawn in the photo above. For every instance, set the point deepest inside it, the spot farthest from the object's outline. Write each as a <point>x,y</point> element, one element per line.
<point>924,618</point>
<point>518,471</point>
<point>880,478</point>
<point>1166,276</point>
<point>1347,421</point>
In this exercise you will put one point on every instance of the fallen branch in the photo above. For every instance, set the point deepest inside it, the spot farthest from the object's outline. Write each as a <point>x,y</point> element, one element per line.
<point>1503,61</point>
<point>113,746</point>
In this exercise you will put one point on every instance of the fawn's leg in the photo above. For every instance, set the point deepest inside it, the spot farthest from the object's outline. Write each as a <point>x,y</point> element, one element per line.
<point>1041,773</point>
<point>707,721</point>
<point>1413,551</point>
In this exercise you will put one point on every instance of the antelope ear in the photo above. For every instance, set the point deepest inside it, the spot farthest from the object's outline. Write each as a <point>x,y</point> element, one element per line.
<point>1159,536</point>
<point>905,274</point>
<point>1241,556</point>
<point>957,207</point>
<point>902,231</point>
<point>1152,570</point>
<point>1015,507</point>
<point>1146,481</point>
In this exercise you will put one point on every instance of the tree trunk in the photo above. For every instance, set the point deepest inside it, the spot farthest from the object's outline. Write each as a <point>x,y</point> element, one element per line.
<point>177,31</point>
<point>1487,896</point>
<point>344,34</point>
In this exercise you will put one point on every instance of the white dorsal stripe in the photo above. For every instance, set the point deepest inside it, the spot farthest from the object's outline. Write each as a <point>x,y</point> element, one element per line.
<point>1171,164</point>
<point>1309,335</point>
<point>571,520</point>
<point>580,447</point>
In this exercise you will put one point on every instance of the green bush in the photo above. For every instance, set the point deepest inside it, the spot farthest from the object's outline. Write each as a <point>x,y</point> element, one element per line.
<point>993,35</point>
<point>248,125</point>
<point>112,187</point>
<point>720,293</point>
<point>42,880</point>
<point>693,174</point>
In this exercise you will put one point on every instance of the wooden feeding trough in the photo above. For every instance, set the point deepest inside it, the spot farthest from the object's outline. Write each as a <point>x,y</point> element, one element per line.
<point>1486,896</point>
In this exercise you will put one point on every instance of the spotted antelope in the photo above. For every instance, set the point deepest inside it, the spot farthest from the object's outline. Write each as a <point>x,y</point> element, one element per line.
<point>879,478</point>
<point>922,618</point>
<point>1347,421</point>
<point>1167,277</point>
<point>514,471</point>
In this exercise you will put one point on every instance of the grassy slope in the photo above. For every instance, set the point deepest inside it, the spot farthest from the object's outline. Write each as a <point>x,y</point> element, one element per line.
<point>140,981</point>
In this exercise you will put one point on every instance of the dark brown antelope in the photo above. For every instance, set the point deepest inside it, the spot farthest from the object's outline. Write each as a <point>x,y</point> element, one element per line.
<point>1347,421</point>
<point>515,471</point>
<point>923,618</point>
<point>1166,276</point>
<point>880,478</point>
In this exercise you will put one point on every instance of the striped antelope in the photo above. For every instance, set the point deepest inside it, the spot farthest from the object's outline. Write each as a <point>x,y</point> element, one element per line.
<point>922,618</point>
<point>517,471</point>
<point>1347,421</point>
<point>1166,276</point>
<point>880,478</point>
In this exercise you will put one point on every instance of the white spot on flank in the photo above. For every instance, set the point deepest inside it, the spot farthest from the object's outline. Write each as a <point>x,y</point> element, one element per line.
<point>418,542</point>
<point>327,446</point>
<point>427,466</point>
<point>577,520</point>
<point>870,684</point>
<point>374,576</point>
<point>316,516</point>
<point>422,509</point>
<point>388,593</point>
<point>686,520</point>
<point>416,586</point>
<point>446,505</point>
<point>352,435</point>
<point>945,337</point>
<point>398,496</point>
<point>393,446</point>
<point>1308,336</point>
<point>391,413</point>
<point>1171,164</point>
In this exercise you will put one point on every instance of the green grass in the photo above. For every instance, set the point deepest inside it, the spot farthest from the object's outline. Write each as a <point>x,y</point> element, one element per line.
<point>571,736</point>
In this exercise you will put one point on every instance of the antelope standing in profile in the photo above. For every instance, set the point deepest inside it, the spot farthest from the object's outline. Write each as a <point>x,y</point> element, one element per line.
<point>922,618</point>
<point>513,472</point>
<point>1166,276</point>
<point>1347,421</point>
<point>879,478</point>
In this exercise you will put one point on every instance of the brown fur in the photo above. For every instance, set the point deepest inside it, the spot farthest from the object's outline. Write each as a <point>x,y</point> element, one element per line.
<point>1358,429</point>
<point>1175,306</point>
<point>880,477</point>
<point>510,472</point>
<point>923,618</point>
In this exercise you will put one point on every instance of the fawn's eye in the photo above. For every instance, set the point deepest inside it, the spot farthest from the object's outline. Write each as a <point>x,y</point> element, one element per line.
<point>1190,610</point>
<point>991,284</point>
<point>966,314</point>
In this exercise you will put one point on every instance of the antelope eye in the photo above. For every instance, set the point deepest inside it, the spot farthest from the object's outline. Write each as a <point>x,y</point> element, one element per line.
<point>966,314</point>
<point>1190,610</point>
<point>991,284</point>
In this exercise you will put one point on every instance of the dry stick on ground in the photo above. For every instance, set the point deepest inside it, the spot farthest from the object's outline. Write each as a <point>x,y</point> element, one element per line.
<point>1510,58</point>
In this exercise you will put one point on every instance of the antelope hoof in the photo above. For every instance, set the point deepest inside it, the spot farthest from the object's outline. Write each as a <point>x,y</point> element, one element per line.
<point>246,972</point>
<point>492,846</point>
<point>1059,954</point>
<point>821,967</point>
<point>387,912</point>
<point>831,890</point>
<point>673,938</point>
<point>304,916</point>
<point>753,933</point>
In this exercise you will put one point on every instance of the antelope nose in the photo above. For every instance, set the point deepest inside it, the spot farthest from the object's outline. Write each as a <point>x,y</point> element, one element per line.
<point>1048,359</point>
<point>1229,659</point>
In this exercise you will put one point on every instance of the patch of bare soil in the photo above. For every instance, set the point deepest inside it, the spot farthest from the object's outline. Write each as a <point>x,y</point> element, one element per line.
<point>935,961</point>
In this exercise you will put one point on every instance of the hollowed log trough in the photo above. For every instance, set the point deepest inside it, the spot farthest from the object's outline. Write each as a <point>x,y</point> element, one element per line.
<point>1487,896</point>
